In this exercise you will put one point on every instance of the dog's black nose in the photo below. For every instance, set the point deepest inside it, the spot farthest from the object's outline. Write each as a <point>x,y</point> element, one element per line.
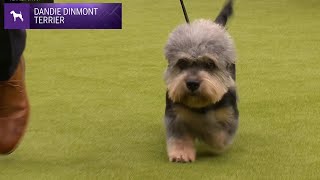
<point>193,85</point>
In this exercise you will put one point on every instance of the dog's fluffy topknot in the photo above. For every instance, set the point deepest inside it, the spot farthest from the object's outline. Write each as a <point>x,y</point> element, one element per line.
<point>199,38</point>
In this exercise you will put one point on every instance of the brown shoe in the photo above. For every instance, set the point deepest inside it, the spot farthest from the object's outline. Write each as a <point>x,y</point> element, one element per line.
<point>14,110</point>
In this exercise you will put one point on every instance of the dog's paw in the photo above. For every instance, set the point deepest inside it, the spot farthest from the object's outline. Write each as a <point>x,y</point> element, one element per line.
<point>182,156</point>
<point>181,151</point>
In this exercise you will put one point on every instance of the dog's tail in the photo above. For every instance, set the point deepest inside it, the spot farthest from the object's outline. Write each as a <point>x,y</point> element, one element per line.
<point>225,13</point>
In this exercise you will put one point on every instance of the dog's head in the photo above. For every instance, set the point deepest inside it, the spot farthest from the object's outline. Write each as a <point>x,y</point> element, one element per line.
<point>12,12</point>
<point>199,56</point>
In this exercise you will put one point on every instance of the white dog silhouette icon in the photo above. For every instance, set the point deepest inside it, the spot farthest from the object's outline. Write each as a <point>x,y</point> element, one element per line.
<point>16,15</point>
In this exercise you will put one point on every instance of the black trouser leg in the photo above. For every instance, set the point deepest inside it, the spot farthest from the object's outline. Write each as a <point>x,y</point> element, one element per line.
<point>12,44</point>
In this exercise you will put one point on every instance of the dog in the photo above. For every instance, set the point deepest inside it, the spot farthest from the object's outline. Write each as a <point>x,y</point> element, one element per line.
<point>201,98</point>
<point>16,15</point>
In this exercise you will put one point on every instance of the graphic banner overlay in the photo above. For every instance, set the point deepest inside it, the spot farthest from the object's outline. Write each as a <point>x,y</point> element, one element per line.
<point>63,16</point>
<point>28,1</point>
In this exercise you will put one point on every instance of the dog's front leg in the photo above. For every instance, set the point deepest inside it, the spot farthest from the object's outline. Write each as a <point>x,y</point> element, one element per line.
<point>181,149</point>
<point>180,143</point>
<point>221,137</point>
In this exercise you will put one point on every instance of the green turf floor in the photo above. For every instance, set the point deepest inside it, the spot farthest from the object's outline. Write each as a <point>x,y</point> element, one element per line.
<point>98,96</point>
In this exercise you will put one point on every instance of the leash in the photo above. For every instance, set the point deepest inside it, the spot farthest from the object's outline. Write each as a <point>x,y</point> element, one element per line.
<point>184,11</point>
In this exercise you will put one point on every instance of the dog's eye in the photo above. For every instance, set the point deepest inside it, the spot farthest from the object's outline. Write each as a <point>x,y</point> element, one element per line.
<point>210,65</point>
<point>183,63</point>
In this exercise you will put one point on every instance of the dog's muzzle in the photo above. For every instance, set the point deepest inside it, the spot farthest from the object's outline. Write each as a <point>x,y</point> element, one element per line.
<point>193,85</point>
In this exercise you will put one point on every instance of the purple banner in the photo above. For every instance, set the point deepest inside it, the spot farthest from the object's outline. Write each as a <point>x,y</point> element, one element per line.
<point>63,16</point>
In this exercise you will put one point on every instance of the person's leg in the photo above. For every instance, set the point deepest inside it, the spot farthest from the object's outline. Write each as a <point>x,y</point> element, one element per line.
<point>12,45</point>
<point>14,106</point>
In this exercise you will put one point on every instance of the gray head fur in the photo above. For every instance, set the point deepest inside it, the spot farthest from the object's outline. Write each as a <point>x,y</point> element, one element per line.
<point>199,38</point>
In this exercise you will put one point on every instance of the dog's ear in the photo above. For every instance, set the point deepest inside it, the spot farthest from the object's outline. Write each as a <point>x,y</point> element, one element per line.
<point>225,13</point>
<point>232,69</point>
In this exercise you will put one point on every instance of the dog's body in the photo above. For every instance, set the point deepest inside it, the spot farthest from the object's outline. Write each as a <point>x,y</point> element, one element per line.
<point>16,15</point>
<point>201,101</point>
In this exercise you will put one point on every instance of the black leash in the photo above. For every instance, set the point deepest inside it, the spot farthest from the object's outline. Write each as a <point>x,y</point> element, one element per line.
<point>184,11</point>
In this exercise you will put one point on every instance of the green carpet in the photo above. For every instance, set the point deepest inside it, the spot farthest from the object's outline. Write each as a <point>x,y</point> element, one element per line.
<point>98,96</point>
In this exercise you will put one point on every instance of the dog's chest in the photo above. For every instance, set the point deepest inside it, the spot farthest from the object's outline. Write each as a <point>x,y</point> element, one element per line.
<point>196,120</point>
<point>204,121</point>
